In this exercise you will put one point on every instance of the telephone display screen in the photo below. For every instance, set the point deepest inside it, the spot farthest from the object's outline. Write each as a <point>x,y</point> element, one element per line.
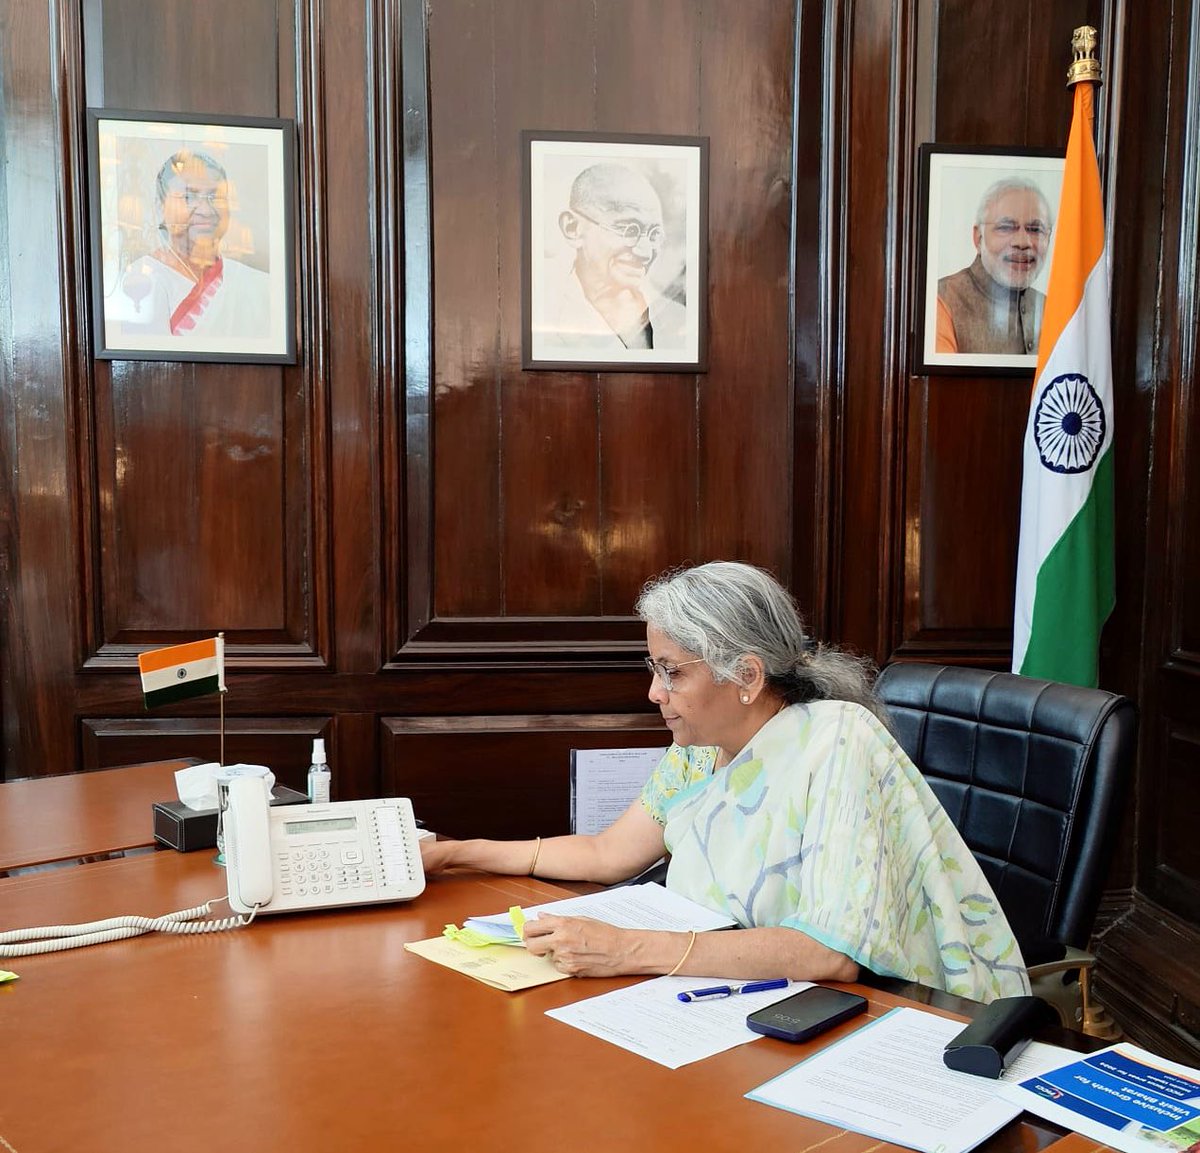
<point>329,825</point>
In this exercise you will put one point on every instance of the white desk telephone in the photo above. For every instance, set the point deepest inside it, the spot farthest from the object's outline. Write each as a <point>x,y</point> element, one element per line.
<point>278,860</point>
<point>318,856</point>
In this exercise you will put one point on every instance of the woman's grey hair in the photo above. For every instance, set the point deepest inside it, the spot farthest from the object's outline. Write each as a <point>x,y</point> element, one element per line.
<point>724,611</point>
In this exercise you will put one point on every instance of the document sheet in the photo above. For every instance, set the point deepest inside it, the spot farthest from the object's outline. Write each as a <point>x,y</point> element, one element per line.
<point>647,906</point>
<point>1122,1096</point>
<point>605,782</point>
<point>888,1080</point>
<point>650,1020</point>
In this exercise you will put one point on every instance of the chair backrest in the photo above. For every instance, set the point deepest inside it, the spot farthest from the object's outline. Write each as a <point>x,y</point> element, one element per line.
<point>1032,773</point>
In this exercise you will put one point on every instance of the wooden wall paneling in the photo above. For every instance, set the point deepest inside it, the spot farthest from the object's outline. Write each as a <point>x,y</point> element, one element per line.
<point>191,59</point>
<point>1153,215</point>
<point>1147,979</point>
<point>283,744</point>
<point>469,203</point>
<point>41,635</point>
<point>875,62</point>
<point>503,777</point>
<point>648,444</point>
<point>549,466</point>
<point>746,396</point>
<point>354,403</point>
<point>968,509</point>
<point>816,209</point>
<point>1168,868</point>
<point>1172,877</point>
<point>171,440</point>
<point>400,120</point>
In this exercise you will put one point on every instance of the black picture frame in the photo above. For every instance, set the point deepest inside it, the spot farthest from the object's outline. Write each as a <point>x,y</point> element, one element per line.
<point>652,289</point>
<point>168,194</point>
<point>954,180</point>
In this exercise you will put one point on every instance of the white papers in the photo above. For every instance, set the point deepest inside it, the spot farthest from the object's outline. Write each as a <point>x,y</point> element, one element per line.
<point>1121,1096</point>
<point>888,1080</point>
<point>650,1020</point>
<point>647,906</point>
<point>604,782</point>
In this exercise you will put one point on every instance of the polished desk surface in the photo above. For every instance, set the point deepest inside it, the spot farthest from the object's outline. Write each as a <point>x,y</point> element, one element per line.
<point>47,819</point>
<point>320,1032</point>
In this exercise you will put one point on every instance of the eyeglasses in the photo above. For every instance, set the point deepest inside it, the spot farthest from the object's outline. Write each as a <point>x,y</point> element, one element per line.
<point>194,197</point>
<point>631,231</point>
<point>666,672</point>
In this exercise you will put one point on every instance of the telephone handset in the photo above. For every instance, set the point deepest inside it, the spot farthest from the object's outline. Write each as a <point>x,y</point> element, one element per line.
<point>318,856</point>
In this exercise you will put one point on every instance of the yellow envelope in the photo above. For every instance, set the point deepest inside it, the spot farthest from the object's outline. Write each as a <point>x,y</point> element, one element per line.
<point>500,966</point>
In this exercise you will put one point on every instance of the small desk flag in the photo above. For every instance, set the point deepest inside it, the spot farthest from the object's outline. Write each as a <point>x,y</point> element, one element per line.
<point>1065,581</point>
<point>182,671</point>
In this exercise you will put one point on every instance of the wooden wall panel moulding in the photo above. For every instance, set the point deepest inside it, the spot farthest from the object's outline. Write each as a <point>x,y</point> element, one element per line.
<point>121,656</point>
<point>283,744</point>
<point>487,776</point>
<point>1149,982</point>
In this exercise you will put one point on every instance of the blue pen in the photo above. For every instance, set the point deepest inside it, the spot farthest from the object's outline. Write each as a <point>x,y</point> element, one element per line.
<point>732,990</point>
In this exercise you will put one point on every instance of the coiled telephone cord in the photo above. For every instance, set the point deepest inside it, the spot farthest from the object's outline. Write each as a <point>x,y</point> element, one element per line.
<point>53,938</point>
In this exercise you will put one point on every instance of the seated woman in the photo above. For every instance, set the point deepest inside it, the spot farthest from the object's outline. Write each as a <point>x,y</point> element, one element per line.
<point>784,803</point>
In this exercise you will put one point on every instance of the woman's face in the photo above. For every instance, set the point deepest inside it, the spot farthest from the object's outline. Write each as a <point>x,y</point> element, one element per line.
<point>196,211</point>
<point>697,711</point>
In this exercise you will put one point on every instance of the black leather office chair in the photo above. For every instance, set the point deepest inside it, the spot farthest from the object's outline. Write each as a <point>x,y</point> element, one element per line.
<point>1033,774</point>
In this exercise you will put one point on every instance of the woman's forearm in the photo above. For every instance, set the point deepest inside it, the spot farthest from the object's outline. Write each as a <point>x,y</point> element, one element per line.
<point>633,842</point>
<point>565,858</point>
<point>587,948</point>
<point>757,954</point>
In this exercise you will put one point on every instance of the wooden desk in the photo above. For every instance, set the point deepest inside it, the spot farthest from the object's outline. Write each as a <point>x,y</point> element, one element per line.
<point>46,819</point>
<point>318,1031</point>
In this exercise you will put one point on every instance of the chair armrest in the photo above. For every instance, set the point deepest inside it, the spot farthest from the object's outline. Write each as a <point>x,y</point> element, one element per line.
<point>1074,959</point>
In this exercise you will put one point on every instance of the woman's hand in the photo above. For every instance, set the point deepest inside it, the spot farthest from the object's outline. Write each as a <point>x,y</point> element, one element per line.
<point>436,855</point>
<point>583,947</point>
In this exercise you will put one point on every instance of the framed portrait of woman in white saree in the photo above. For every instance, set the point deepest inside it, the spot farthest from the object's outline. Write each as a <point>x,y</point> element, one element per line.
<point>192,237</point>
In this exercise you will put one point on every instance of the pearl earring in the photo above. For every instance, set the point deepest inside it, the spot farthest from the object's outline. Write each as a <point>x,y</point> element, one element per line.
<point>745,698</point>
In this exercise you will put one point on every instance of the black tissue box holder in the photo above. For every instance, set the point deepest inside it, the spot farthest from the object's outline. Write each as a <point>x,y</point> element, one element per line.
<point>179,827</point>
<point>994,1039</point>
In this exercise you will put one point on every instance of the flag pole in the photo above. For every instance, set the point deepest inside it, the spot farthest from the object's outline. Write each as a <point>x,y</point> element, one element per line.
<point>221,692</point>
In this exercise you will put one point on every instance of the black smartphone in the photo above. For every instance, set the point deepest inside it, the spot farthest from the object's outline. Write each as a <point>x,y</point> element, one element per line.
<point>807,1013</point>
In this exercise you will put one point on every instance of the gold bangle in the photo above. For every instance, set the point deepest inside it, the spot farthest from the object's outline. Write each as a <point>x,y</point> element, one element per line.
<point>537,848</point>
<point>686,953</point>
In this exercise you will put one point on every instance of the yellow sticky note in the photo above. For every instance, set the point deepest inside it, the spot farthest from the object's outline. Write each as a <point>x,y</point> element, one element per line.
<point>5,975</point>
<point>518,920</point>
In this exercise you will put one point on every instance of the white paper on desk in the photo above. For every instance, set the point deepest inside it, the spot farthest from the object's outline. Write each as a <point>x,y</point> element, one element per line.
<point>604,782</point>
<point>649,1018</point>
<point>647,906</point>
<point>1121,1096</point>
<point>888,1080</point>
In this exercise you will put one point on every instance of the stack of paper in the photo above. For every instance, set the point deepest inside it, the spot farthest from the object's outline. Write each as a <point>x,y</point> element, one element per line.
<point>647,906</point>
<point>888,1080</point>
<point>497,963</point>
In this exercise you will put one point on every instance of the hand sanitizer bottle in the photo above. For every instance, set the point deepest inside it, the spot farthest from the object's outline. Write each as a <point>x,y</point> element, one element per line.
<point>318,775</point>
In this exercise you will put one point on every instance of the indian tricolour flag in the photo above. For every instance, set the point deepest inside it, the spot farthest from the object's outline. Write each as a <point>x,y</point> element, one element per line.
<point>183,671</point>
<point>1065,562</point>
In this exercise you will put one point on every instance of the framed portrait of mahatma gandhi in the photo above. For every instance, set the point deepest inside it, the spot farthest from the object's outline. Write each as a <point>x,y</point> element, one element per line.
<point>614,244</point>
<point>192,237</point>
<point>986,240</point>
